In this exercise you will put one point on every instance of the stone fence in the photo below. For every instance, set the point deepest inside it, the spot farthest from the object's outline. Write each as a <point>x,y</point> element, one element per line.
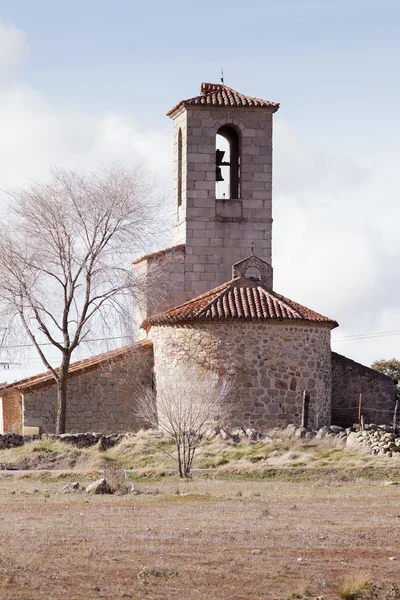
<point>80,440</point>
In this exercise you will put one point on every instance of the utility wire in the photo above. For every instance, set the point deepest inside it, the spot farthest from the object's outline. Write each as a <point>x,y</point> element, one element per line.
<point>105,339</point>
<point>365,336</point>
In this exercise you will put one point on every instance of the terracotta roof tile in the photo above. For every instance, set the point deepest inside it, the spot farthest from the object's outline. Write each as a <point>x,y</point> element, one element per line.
<point>239,298</point>
<point>218,94</point>
<point>177,248</point>
<point>79,367</point>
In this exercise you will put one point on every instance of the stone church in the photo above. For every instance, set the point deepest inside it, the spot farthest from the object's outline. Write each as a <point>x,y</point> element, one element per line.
<point>220,313</point>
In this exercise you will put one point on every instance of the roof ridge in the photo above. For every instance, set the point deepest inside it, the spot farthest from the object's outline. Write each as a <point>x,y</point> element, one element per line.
<point>239,298</point>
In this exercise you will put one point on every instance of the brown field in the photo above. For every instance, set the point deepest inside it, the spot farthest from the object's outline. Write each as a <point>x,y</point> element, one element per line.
<point>194,540</point>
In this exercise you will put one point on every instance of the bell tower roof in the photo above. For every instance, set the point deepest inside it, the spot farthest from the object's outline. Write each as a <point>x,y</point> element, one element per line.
<point>220,95</point>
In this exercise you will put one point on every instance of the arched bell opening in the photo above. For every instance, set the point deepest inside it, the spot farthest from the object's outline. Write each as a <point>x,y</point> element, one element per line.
<point>227,170</point>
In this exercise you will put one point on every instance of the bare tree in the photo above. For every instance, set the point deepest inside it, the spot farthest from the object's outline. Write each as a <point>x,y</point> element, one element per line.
<point>186,405</point>
<point>65,259</point>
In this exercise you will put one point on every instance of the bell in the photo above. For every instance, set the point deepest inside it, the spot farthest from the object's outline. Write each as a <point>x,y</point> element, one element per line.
<point>219,159</point>
<point>218,174</point>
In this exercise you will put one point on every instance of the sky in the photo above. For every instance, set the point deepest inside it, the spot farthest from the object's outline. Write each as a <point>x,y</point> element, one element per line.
<point>83,83</point>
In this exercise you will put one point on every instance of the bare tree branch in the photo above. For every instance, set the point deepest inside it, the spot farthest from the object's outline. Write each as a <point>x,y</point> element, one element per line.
<point>65,256</point>
<point>183,407</point>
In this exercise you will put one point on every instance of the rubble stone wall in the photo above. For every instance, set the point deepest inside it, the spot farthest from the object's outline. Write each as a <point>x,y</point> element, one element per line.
<point>103,400</point>
<point>349,380</point>
<point>269,365</point>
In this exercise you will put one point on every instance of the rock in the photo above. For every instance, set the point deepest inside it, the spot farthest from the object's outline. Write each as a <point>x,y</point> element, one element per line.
<point>225,434</point>
<point>101,486</point>
<point>310,435</point>
<point>300,432</point>
<point>241,433</point>
<point>336,429</point>
<point>322,432</point>
<point>109,441</point>
<point>70,487</point>
<point>353,441</point>
<point>252,434</point>
<point>384,427</point>
<point>212,433</point>
<point>264,438</point>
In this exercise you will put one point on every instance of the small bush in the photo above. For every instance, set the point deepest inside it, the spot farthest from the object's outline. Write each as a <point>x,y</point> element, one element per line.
<point>354,585</point>
<point>301,593</point>
<point>157,571</point>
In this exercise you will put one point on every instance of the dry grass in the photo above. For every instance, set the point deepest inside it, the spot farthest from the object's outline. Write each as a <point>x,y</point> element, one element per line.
<point>354,585</point>
<point>302,592</point>
<point>146,452</point>
<point>194,539</point>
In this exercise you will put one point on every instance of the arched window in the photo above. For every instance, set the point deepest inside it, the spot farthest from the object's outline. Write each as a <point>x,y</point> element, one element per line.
<point>227,176</point>
<point>253,273</point>
<point>179,167</point>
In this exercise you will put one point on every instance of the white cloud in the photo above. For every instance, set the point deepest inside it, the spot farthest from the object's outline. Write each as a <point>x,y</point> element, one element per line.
<point>336,217</point>
<point>336,237</point>
<point>14,50</point>
<point>35,136</point>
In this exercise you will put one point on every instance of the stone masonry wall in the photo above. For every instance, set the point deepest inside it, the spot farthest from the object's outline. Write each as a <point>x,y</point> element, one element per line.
<point>270,364</point>
<point>162,280</point>
<point>218,233</point>
<point>349,380</point>
<point>101,401</point>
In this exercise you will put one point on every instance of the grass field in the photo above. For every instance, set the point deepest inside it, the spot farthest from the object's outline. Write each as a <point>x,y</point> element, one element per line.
<point>205,539</point>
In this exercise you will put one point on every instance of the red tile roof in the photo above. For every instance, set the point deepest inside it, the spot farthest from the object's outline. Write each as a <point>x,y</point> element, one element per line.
<point>79,367</point>
<point>239,298</point>
<point>177,248</point>
<point>218,94</point>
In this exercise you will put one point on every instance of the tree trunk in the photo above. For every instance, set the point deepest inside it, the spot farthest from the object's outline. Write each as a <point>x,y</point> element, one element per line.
<point>62,395</point>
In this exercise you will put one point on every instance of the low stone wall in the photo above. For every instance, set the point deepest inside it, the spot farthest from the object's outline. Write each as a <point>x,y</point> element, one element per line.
<point>349,380</point>
<point>11,440</point>
<point>80,440</point>
<point>102,400</point>
<point>270,365</point>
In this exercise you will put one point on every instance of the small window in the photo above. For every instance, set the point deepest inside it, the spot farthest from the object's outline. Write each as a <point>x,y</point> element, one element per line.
<point>179,167</point>
<point>227,185</point>
<point>253,273</point>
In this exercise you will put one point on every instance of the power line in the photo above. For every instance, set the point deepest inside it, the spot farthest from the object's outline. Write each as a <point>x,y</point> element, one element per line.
<point>105,339</point>
<point>366,336</point>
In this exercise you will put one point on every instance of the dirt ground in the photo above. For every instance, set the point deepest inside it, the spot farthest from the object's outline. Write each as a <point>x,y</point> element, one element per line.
<point>201,540</point>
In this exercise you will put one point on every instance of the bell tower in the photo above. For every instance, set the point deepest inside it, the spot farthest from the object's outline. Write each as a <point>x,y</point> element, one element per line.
<point>222,196</point>
<point>222,183</point>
